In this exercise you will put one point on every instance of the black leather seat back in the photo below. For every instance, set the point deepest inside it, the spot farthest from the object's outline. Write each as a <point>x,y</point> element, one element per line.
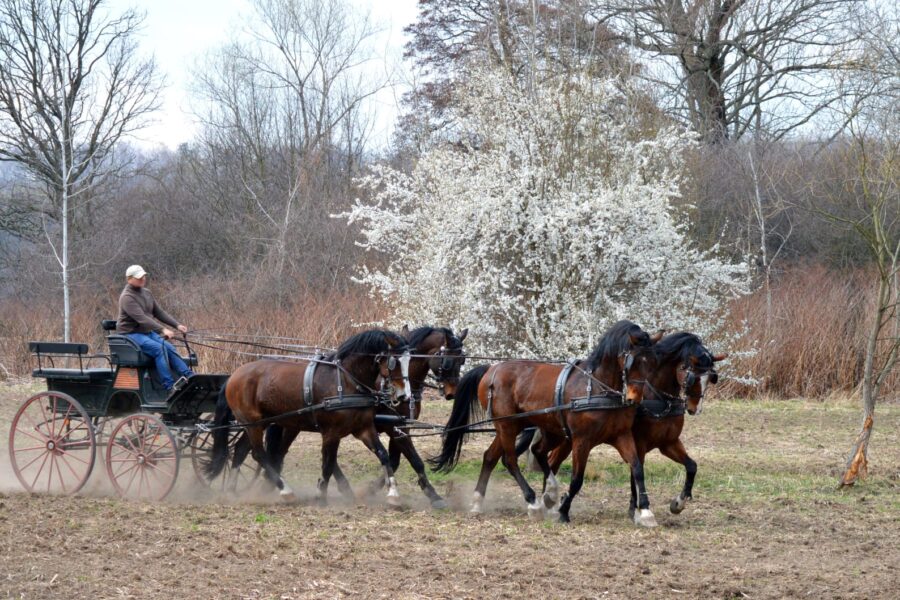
<point>125,352</point>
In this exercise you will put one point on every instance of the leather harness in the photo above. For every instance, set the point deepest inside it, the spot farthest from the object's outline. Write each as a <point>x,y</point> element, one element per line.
<point>330,403</point>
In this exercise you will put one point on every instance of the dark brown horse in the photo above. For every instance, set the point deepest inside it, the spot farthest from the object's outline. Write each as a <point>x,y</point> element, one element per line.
<point>596,404</point>
<point>685,369</point>
<point>435,350</point>
<point>337,396</point>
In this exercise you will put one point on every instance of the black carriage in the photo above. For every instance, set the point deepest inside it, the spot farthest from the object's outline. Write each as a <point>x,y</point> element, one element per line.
<point>114,401</point>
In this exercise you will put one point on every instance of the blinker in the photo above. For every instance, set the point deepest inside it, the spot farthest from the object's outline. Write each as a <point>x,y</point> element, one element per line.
<point>629,361</point>
<point>689,379</point>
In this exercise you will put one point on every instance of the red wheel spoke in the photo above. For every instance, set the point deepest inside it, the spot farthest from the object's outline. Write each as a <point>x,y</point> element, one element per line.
<point>68,466</point>
<point>134,465</point>
<point>34,460</point>
<point>141,485</point>
<point>56,460</point>
<point>40,470</point>
<point>158,467</point>
<point>32,448</point>
<point>34,437</point>
<point>134,471</point>
<point>44,414</point>
<point>35,426</point>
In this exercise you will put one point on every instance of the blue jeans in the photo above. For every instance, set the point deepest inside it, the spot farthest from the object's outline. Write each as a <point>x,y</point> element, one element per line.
<point>164,354</point>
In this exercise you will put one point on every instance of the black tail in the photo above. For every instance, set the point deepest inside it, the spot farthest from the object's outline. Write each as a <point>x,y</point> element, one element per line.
<point>465,407</point>
<point>524,440</point>
<point>219,455</point>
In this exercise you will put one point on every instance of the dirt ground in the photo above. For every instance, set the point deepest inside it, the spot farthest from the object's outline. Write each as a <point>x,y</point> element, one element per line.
<point>766,522</point>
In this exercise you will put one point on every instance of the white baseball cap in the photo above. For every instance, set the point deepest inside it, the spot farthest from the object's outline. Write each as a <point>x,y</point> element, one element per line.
<point>136,271</point>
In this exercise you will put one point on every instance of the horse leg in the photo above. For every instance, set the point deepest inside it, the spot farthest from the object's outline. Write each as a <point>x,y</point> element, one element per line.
<point>581,449</point>
<point>329,464</point>
<point>540,450</point>
<point>633,501</point>
<point>678,453</point>
<point>404,444</point>
<point>258,450</point>
<point>488,462</point>
<point>508,444</point>
<point>625,445</point>
<point>241,450</point>
<point>341,480</point>
<point>369,437</point>
<point>394,452</point>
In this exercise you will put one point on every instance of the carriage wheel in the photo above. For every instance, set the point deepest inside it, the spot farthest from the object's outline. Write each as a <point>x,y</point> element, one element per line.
<point>231,479</point>
<point>142,458</point>
<point>52,444</point>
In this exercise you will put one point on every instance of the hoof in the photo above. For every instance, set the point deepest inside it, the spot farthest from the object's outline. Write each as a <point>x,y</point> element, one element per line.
<point>393,500</point>
<point>564,518</point>
<point>645,518</point>
<point>439,504</point>
<point>549,500</point>
<point>536,511</point>
<point>677,505</point>
<point>477,504</point>
<point>631,512</point>
<point>286,494</point>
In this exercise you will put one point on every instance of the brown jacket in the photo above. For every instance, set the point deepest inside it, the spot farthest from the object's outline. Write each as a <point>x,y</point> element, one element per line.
<point>139,312</point>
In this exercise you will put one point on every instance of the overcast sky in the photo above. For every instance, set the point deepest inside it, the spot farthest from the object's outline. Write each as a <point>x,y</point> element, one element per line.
<point>180,32</point>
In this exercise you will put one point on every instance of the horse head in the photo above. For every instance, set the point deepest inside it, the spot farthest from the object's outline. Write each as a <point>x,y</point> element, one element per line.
<point>393,366</point>
<point>439,351</point>
<point>686,369</point>
<point>694,376</point>
<point>633,351</point>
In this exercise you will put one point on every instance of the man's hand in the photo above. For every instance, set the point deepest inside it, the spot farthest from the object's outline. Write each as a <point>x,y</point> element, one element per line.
<point>167,333</point>
<point>182,328</point>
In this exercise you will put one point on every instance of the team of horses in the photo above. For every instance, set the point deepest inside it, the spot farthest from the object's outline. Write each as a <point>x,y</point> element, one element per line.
<point>631,392</point>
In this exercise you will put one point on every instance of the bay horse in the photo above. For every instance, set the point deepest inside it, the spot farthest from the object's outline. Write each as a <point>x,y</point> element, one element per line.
<point>435,350</point>
<point>338,393</point>
<point>519,394</point>
<point>678,384</point>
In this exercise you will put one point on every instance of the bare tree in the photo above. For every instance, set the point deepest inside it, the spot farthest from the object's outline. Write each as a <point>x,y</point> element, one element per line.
<point>288,110</point>
<point>729,67</point>
<point>71,87</point>
<point>532,40</point>
<point>872,110</point>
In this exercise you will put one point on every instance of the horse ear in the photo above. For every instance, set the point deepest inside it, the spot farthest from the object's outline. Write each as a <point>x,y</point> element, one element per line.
<point>657,336</point>
<point>405,331</point>
<point>718,357</point>
<point>463,334</point>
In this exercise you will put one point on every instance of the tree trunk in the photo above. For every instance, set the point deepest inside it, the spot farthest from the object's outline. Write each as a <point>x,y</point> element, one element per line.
<point>857,462</point>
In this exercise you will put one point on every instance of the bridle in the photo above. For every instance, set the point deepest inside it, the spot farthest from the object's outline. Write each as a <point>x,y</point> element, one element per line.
<point>442,362</point>
<point>627,364</point>
<point>392,360</point>
<point>692,374</point>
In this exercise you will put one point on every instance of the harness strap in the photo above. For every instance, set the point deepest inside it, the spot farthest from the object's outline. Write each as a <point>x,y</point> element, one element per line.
<point>659,408</point>
<point>308,375</point>
<point>347,401</point>
<point>559,395</point>
<point>586,403</point>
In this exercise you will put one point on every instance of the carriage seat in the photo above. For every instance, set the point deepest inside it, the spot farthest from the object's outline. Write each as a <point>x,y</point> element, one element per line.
<point>126,353</point>
<point>45,352</point>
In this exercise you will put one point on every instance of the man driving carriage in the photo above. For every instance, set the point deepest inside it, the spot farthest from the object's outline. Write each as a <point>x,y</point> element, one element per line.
<point>142,319</point>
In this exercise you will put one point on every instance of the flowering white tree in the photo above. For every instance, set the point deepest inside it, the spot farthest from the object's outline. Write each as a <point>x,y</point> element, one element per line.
<point>552,220</point>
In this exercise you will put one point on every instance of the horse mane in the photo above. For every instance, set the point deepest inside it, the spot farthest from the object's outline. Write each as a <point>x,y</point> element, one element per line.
<point>418,335</point>
<point>682,346</point>
<point>373,341</point>
<point>617,339</point>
